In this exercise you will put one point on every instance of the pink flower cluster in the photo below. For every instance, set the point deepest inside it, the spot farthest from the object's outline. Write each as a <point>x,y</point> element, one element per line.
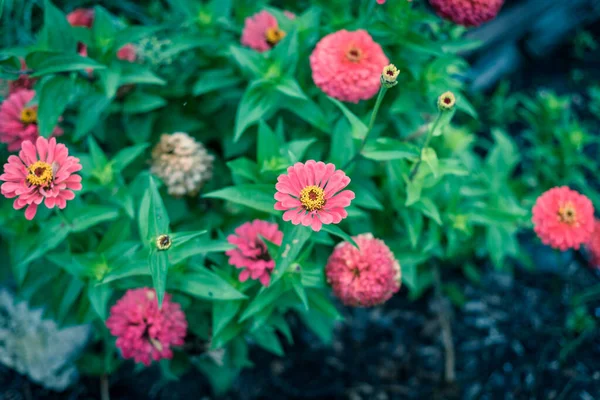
<point>43,172</point>
<point>363,277</point>
<point>347,65</point>
<point>145,332</point>
<point>593,246</point>
<point>251,253</point>
<point>563,218</point>
<point>468,12</point>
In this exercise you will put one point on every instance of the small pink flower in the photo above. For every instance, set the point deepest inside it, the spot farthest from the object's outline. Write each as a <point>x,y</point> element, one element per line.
<point>41,173</point>
<point>251,252</point>
<point>18,121</point>
<point>81,17</point>
<point>311,194</point>
<point>593,245</point>
<point>261,32</point>
<point>563,218</point>
<point>23,82</point>
<point>347,65</point>
<point>145,332</point>
<point>366,276</point>
<point>467,12</point>
<point>127,53</point>
<point>380,1</point>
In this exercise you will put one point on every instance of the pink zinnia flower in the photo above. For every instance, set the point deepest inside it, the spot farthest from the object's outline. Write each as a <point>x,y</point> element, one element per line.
<point>251,251</point>
<point>563,218</point>
<point>261,32</point>
<point>23,82</point>
<point>380,1</point>
<point>347,65</point>
<point>311,194</point>
<point>44,172</point>
<point>593,245</point>
<point>18,121</point>
<point>81,17</point>
<point>467,12</point>
<point>127,53</point>
<point>366,276</point>
<point>144,331</point>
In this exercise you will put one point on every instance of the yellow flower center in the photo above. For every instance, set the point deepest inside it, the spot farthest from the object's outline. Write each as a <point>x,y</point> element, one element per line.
<point>354,54</point>
<point>40,173</point>
<point>274,35</point>
<point>567,214</point>
<point>312,198</point>
<point>29,115</point>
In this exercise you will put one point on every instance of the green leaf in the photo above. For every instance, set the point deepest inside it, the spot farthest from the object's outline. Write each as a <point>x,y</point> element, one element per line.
<point>54,233</point>
<point>386,149</point>
<point>266,297</point>
<point>307,110</point>
<point>217,79</point>
<point>126,156</point>
<point>190,249</point>
<point>92,106</point>
<point>223,313</point>
<point>135,74</point>
<point>337,231</point>
<point>358,128</point>
<point>258,101</point>
<point>103,28</point>
<point>132,34</point>
<point>318,301</point>
<point>444,121</point>
<point>52,64</point>
<point>268,144</point>
<point>268,340</point>
<point>285,54</point>
<point>82,219</point>
<point>68,297</point>
<point>290,88</point>
<point>138,102</point>
<point>342,145</point>
<point>428,207</point>
<point>180,238</point>
<point>244,168</point>
<point>56,35</point>
<point>99,296</point>
<point>205,284</point>
<point>294,239</point>
<point>159,266</point>
<point>54,97</point>
<point>295,279</point>
<point>430,157</point>
<point>413,191</point>
<point>259,197</point>
<point>158,219</point>
<point>98,157</point>
<point>251,62</point>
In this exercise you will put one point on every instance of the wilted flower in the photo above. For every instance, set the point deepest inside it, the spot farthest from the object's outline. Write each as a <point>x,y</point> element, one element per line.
<point>144,331</point>
<point>43,172</point>
<point>467,12</point>
<point>251,252</point>
<point>18,120</point>
<point>347,65</point>
<point>23,82</point>
<point>563,218</point>
<point>311,194</point>
<point>446,101</point>
<point>182,163</point>
<point>261,32</point>
<point>389,76</point>
<point>81,17</point>
<point>366,276</point>
<point>593,245</point>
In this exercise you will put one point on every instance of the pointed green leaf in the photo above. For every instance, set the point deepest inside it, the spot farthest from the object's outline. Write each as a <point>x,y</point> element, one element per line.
<point>259,197</point>
<point>337,231</point>
<point>126,156</point>
<point>358,128</point>
<point>159,266</point>
<point>205,284</point>
<point>99,296</point>
<point>223,313</point>
<point>430,157</point>
<point>53,97</point>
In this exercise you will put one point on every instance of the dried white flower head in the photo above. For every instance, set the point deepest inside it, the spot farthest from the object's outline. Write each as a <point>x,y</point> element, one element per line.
<point>182,163</point>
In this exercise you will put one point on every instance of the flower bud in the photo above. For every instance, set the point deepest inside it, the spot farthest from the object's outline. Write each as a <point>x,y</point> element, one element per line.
<point>446,101</point>
<point>389,76</point>
<point>163,242</point>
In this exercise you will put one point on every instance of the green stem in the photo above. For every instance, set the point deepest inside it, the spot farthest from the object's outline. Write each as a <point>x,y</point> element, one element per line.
<point>63,217</point>
<point>425,145</point>
<point>378,102</point>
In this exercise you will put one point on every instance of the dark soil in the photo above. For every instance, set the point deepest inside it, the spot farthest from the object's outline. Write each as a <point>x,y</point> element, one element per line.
<point>508,339</point>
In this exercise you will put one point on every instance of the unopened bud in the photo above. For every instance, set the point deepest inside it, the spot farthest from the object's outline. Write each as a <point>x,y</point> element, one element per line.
<point>389,76</point>
<point>163,242</point>
<point>446,101</point>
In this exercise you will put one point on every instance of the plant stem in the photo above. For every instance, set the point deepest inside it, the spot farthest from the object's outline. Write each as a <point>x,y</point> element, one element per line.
<point>444,319</point>
<point>63,217</point>
<point>380,96</point>
<point>104,388</point>
<point>424,146</point>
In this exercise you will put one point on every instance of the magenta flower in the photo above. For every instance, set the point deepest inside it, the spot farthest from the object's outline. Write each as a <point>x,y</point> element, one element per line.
<point>18,121</point>
<point>347,65</point>
<point>144,332</point>
<point>127,53</point>
<point>366,276</point>
<point>311,194</point>
<point>22,82</point>
<point>81,17</point>
<point>41,173</point>
<point>261,32</point>
<point>251,252</point>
